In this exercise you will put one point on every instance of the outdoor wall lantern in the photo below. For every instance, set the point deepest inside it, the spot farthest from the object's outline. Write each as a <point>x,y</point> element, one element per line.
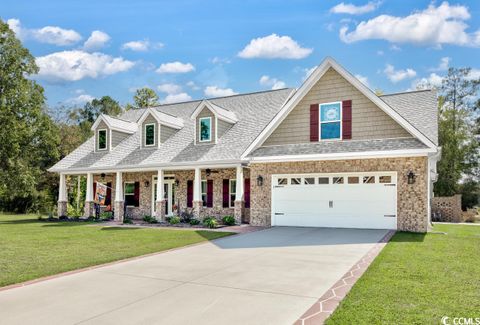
<point>146,183</point>
<point>259,180</point>
<point>411,177</point>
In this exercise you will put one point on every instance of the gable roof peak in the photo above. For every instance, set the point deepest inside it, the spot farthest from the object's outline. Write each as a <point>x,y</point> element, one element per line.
<point>220,112</point>
<point>115,124</point>
<point>162,118</point>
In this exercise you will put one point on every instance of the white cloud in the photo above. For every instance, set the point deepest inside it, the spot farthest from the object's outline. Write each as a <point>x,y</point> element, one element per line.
<point>398,75</point>
<point>96,40</point>
<point>76,65</point>
<point>175,67</point>
<point>141,46</point>
<point>363,79</point>
<point>435,26</point>
<point>176,98</point>
<point>432,81</point>
<point>217,60</point>
<point>79,100</point>
<point>193,85</point>
<point>274,83</point>
<point>274,47</point>
<point>348,8</point>
<point>214,91</point>
<point>48,34</point>
<point>474,74</point>
<point>443,65</point>
<point>308,72</point>
<point>169,88</point>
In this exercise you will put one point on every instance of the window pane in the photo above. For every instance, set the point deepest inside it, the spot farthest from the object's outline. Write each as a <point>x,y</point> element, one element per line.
<point>368,179</point>
<point>204,200</point>
<point>330,112</point>
<point>338,180</point>
<point>205,129</point>
<point>385,179</point>
<point>309,180</point>
<point>129,200</point>
<point>295,181</point>
<point>150,135</point>
<point>102,139</point>
<point>330,130</point>
<point>233,186</point>
<point>129,188</point>
<point>323,180</point>
<point>282,181</point>
<point>353,180</point>
<point>204,187</point>
<point>232,200</point>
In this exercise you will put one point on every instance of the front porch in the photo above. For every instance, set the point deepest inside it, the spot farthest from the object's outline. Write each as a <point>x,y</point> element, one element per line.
<point>201,192</point>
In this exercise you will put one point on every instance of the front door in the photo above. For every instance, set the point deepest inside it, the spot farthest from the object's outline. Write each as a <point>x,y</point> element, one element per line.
<point>169,194</point>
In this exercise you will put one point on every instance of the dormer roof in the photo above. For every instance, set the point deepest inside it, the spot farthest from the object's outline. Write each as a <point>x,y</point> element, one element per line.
<point>116,124</point>
<point>162,118</point>
<point>220,112</point>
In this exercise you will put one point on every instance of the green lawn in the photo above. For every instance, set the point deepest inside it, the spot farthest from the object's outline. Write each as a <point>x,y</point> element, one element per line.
<point>418,279</point>
<point>30,249</point>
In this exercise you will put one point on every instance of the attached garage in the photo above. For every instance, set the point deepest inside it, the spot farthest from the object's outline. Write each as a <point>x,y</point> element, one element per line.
<point>340,200</point>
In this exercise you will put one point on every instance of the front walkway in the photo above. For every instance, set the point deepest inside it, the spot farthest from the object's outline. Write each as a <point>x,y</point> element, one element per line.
<point>264,277</point>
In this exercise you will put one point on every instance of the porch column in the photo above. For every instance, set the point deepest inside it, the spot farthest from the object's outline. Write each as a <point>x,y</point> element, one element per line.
<point>88,211</point>
<point>119,200</point>
<point>160,204</point>
<point>62,197</point>
<point>197,194</point>
<point>239,200</point>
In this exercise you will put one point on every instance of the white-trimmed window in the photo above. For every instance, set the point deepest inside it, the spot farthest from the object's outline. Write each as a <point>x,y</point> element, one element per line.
<point>330,121</point>
<point>233,192</point>
<point>102,139</point>
<point>129,193</point>
<point>150,134</point>
<point>205,129</point>
<point>204,193</point>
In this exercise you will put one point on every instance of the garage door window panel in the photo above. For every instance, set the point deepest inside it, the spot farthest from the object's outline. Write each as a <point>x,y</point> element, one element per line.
<point>338,180</point>
<point>330,121</point>
<point>309,181</point>
<point>385,179</point>
<point>295,181</point>
<point>323,180</point>
<point>282,181</point>
<point>368,179</point>
<point>353,180</point>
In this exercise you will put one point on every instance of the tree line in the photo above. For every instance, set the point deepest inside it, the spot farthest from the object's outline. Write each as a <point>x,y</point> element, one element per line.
<point>34,137</point>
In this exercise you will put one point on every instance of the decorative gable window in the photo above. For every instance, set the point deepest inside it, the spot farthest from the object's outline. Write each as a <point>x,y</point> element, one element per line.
<point>330,121</point>
<point>205,129</point>
<point>149,134</point>
<point>102,139</point>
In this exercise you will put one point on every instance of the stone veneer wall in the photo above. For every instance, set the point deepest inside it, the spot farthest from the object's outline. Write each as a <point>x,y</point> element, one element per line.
<point>412,208</point>
<point>448,208</point>
<point>183,176</point>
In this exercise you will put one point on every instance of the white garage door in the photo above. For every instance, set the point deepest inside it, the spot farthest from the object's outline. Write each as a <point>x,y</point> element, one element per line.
<point>343,200</point>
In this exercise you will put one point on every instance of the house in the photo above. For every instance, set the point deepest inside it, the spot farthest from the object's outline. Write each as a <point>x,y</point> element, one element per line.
<point>329,154</point>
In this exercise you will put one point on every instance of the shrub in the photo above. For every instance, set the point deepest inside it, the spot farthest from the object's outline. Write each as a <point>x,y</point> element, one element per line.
<point>127,220</point>
<point>186,217</point>
<point>167,219</point>
<point>106,215</point>
<point>194,222</point>
<point>228,220</point>
<point>149,219</point>
<point>174,220</point>
<point>210,222</point>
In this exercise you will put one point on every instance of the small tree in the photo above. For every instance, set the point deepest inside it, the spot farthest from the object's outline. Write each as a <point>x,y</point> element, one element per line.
<point>145,97</point>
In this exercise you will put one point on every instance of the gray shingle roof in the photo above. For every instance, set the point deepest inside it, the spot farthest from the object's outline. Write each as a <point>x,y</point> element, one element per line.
<point>254,112</point>
<point>419,108</point>
<point>339,147</point>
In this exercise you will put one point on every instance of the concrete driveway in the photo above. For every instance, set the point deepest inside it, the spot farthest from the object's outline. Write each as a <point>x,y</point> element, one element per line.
<point>266,277</point>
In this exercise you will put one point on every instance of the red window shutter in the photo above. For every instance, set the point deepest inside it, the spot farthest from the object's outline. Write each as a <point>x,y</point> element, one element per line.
<point>347,119</point>
<point>108,199</point>
<point>226,193</point>
<point>95,191</point>
<point>246,193</point>
<point>136,195</point>
<point>314,122</point>
<point>209,193</point>
<point>189,194</point>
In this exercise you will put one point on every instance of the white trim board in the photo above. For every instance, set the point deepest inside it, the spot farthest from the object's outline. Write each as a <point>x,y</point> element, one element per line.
<point>314,77</point>
<point>219,112</point>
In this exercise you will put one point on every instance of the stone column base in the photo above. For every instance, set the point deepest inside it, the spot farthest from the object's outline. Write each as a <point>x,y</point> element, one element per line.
<point>239,211</point>
<point>62,208</point>
<point>119,211</point>
<point>89,210</point>
<point>198,210</point>
<point>160,207</point>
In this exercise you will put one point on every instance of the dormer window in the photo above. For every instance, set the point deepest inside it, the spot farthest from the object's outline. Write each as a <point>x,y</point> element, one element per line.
<point>102,139</point>
<point>205,129</point>
<point>149,134</point>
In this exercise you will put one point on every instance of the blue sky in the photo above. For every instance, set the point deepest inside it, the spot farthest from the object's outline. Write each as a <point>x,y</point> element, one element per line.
<point>195,49</point>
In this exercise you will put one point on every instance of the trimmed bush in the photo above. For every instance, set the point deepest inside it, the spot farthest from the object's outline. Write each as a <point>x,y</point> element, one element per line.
<point>186,217</point>
<point>228,220</point>
<point>174,220</point>
<point>194,222</point>
<point>210,222</point>
<point>149,219</point>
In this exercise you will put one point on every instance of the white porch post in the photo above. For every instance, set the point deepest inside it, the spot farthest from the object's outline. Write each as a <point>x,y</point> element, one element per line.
<point>119,201</point>
<point>197,194</point>
<point>160,204</point>
<point>88,210</point>
<point>239,191</point>
<point>62,197</point>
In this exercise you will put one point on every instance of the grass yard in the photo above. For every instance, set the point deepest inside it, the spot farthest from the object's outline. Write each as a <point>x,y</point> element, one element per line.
<point>31,249</point>
<point>418,279</point>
